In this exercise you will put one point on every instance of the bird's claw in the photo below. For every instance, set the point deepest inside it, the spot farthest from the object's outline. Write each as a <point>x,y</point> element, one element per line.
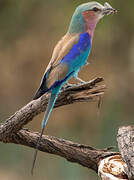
<point>87,63</point>
<point>67,85</point>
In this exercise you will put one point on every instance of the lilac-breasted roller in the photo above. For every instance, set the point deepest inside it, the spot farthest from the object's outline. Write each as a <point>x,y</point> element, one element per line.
<point>70,54</point>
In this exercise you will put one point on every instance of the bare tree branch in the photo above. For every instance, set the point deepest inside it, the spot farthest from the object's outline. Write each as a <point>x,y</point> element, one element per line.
<point>76,93</point>
<point>11,131</point>
<point>110,164</point>
<point>82,154</point>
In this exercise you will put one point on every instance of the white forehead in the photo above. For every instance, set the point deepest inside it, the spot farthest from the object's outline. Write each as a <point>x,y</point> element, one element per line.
<point>90,5</point>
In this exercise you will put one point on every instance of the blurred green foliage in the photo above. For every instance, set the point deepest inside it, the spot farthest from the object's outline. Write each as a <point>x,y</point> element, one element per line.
<point>29,31</point>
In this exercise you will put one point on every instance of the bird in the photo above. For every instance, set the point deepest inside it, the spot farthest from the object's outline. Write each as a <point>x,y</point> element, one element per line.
<point>70,55</point>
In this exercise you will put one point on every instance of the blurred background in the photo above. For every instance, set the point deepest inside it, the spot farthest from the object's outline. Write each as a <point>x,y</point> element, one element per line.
<point>29,31</point>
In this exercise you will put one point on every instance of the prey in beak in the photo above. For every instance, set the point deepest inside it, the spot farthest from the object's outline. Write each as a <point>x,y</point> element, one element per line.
<point>107,10</point>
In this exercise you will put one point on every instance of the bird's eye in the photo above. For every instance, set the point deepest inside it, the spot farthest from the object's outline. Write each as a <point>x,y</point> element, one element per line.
<point>95,9</point>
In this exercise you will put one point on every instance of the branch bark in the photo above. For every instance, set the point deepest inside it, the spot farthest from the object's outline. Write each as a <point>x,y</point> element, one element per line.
<point>78,153</point>
<point>125,140</point>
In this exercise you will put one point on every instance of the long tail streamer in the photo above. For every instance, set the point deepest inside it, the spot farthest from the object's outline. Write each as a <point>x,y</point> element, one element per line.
<point>50,106</point>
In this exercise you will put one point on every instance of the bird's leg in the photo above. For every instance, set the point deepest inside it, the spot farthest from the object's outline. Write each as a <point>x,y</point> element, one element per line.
<point>66,85</point>
<point>80,80</point>
<point>86,63</point>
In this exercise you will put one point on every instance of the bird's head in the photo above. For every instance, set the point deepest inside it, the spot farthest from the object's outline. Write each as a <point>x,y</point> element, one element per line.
<point>87,15</point>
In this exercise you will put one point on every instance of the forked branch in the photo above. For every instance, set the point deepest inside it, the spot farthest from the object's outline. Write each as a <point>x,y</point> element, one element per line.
<point>11,131</point>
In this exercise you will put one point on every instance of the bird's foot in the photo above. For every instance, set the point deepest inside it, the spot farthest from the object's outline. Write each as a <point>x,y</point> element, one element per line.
<point>66,85</point>
<point>87,63</point>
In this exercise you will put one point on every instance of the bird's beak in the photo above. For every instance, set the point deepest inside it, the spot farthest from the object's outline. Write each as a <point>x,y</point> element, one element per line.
<point>108,9</point>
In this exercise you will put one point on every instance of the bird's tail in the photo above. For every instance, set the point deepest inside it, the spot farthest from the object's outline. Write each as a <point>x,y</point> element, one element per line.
<point>52,99</point>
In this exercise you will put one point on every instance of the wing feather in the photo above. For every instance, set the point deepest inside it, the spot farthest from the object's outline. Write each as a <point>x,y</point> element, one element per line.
<point>59,71</point>
<point>62,49</point>
<point>55,70</point>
